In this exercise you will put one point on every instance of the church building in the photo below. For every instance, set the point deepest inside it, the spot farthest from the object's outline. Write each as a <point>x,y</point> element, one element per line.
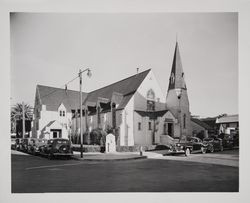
<point>135,106</point>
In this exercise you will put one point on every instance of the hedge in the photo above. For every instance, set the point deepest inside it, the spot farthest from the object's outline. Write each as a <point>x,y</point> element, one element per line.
<point>87,148</point>
<point>135,148</point>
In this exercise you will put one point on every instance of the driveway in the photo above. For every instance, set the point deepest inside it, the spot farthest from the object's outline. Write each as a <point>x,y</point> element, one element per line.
<point>226,158</point>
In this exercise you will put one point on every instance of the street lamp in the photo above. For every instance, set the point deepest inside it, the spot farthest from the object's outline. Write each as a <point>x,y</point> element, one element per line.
<point>179,94</point>
<point>89,74</point>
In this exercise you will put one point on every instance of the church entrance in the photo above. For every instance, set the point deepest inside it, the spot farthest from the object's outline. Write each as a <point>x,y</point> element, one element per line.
<point>168,129</point>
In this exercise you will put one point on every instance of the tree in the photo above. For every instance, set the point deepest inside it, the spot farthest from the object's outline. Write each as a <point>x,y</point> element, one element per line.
<point>17,114</point>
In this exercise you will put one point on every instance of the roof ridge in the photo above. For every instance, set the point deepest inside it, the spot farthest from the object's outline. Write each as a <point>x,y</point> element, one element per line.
<point>58,88</point>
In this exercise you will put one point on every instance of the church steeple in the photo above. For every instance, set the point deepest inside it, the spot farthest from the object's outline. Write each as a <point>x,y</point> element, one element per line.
<point>176,80</point>
<point>177,98</point>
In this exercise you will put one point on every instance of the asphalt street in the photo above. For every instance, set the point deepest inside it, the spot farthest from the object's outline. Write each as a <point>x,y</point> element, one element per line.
<point>34,174</point>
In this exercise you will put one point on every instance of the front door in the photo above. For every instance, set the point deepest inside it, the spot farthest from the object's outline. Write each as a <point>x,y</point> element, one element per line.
<point>170,129</point>
<point>56,133</point>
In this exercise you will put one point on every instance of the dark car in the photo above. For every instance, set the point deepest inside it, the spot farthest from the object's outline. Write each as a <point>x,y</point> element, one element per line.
<point>227,141</point>
<point>35,145</point>
<point>190,145</point>
<point>57,148</point>
<point>25,144</point>
<point>13,143</point>
<point>18,144</point>
<point>214,144</point>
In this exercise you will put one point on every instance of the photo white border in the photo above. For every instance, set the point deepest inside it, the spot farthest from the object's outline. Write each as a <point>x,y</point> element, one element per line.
<point>134,6</point>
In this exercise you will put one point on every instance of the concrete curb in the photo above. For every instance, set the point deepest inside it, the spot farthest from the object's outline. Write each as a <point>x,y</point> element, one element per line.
<point>115,159</point>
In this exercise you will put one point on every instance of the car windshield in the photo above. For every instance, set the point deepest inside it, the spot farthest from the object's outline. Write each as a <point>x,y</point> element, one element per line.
<point>62,141</point>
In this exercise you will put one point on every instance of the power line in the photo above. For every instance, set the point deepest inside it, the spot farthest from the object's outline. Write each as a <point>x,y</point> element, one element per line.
<point>52,92</point>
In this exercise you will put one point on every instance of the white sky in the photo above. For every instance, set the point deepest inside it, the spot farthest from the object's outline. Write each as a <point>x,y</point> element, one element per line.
<point>49,49</point>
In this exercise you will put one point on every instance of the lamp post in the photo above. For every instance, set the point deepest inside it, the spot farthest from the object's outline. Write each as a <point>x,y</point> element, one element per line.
<point>80,77</point>
<point>179,94</point>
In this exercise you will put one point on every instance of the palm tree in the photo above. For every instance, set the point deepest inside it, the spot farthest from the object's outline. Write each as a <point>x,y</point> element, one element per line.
<point>17,114</point>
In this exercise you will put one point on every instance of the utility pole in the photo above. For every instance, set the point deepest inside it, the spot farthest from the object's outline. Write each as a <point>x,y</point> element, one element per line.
<point>23,112</point>
<point>81,135</point>
<point>80,77</point>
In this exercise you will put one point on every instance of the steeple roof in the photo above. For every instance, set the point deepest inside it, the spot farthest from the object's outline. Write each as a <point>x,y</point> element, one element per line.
<point>176,79</point>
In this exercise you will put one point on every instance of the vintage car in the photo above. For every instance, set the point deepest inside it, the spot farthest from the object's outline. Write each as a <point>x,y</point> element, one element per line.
<point>227,141</point>
<point>18,144</point>
<point>35,144</point>
<point>25,143</point>
<point>189,145</point>
<point>13,143</point>
<point>57,148</point>
<point>214,144</point>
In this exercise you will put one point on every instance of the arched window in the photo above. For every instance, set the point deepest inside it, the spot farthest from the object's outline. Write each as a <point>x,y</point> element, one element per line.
<point>150,100</point>
<point>150,95</point>
<point>113,111</point>
<point>184,121</point>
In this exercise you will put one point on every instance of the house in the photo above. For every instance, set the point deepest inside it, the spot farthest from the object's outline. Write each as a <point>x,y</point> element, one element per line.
<point>135,106</point>
<point>228,124</point>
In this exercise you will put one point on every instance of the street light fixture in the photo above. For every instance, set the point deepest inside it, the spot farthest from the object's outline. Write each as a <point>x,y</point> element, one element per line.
<point>179,94</point>
<point>89,74</point>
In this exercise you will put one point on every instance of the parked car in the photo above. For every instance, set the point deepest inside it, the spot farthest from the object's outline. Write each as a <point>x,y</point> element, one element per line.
<point>25,144</point>
<point>18,144</point>
<point>36,144</point>
<point>227,141</point>
<point>57,148</point>
<point>190,145</point>
<point>213,144</point>
<point>13,143</point>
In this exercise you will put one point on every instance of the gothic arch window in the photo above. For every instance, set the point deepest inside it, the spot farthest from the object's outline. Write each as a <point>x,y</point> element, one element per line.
<point>113,112</point>
<point>184,121</point>
<point>150,100</point>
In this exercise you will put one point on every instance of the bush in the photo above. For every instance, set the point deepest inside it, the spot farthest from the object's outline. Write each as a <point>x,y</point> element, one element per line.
<point>135,148</point>
<point>97,137</point>
<point>87,148</point>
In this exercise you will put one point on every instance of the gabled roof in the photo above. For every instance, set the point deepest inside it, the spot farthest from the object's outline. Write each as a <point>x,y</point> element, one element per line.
<point>201,123</point>
<point>125,87</point>
<point>228,119</point>
<point>52,97</point>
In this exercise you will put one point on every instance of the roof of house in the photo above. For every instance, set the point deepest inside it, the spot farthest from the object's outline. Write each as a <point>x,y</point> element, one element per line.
<point>52,97</point>
<point>228,119</point>
<point>201,123</point>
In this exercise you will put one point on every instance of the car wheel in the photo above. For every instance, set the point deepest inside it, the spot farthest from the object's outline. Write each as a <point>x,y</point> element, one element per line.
<point>187,152</point>
<point>212,149</point>
<point>203,150</point>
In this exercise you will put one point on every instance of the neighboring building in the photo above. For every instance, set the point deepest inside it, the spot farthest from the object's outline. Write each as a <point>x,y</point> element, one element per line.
<point>200,128</point>
<point>136,107</point>
<point>228,123</point>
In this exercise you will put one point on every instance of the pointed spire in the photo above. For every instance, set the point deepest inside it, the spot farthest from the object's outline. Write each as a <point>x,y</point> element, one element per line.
<point>176,79</point>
